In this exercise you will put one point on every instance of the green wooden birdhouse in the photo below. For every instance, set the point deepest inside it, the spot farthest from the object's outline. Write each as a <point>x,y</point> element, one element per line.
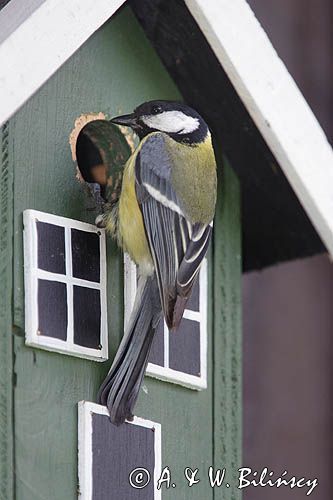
<point>67,290</point>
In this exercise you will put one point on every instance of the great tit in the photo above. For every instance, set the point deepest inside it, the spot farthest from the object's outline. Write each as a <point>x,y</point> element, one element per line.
<point>164,221</point>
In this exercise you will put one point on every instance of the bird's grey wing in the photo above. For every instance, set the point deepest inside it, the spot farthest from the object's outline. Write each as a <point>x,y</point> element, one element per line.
<point>177,246</point>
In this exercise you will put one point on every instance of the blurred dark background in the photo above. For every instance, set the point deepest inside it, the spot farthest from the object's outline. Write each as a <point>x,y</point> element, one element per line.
<point>288,308</point>
<point>302,33</point>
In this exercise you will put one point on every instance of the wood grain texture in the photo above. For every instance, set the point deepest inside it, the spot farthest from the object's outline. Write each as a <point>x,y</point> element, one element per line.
<point>6,336</point>
<point>117,451</point>
<point>227,333</point>
<point>35,44</point>
<point>112,73</point>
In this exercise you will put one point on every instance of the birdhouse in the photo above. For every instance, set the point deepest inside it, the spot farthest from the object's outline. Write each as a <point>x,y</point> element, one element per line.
<point>67,290</point>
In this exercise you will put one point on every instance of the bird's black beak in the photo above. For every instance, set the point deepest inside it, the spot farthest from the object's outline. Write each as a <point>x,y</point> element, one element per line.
<point>127,120</point>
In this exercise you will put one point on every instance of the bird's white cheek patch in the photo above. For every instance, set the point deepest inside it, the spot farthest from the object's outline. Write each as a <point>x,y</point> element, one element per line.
<point>172,122</point>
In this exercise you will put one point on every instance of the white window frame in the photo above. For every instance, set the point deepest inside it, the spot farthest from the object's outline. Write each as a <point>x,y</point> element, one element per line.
<point>86,410</point>
<point>166,373</point>
<point>32,273</point>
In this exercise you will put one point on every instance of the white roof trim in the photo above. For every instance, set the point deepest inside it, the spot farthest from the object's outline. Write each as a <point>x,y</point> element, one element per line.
<point>275,103</point>
<point>42,42</point>
<point>57,28</point>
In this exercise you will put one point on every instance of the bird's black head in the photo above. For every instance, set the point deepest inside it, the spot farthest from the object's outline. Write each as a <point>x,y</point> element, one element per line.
<point>178,120</point>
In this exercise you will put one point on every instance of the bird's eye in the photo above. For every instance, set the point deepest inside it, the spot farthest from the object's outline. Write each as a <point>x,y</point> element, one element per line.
<point>155,110</point>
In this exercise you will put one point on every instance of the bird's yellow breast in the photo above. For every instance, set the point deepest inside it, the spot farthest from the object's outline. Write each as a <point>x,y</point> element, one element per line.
<point>194,180</point>
<point>131,233</point>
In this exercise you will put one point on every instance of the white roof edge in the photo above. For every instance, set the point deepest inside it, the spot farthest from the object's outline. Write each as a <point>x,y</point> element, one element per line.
<point>275,103</point>
<point>42,43</point>
<point>57,28</point>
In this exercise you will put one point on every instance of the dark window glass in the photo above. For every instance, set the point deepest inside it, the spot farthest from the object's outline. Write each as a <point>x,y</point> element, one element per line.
<point>156,355</point>
<point>116,452</point>
<point>85,255</point>
<point>51,247</point>
<point>184,348</point>
<point>193,302</point>
<point>87,317</point>
<point>52,309</point>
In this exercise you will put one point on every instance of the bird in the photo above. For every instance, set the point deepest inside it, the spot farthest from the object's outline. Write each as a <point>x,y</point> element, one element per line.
<point>163,220</point>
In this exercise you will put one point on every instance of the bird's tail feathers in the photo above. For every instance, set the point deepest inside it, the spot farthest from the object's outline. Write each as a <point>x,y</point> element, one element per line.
<point>120,389</point>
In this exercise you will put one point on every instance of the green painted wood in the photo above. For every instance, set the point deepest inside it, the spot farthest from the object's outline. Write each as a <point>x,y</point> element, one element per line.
<point>113,72</point>
<point>227,334</point>
<point>6,337</point>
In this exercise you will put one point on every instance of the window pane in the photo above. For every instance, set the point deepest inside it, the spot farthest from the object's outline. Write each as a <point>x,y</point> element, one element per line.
<point>87,317</point>
<point>116,452</point>
<point>156,355</point>
<point>184,346</point>
<point>52,309</point>
<point>51,247</point>
<point>193,302</point>
<point>85,255</point>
